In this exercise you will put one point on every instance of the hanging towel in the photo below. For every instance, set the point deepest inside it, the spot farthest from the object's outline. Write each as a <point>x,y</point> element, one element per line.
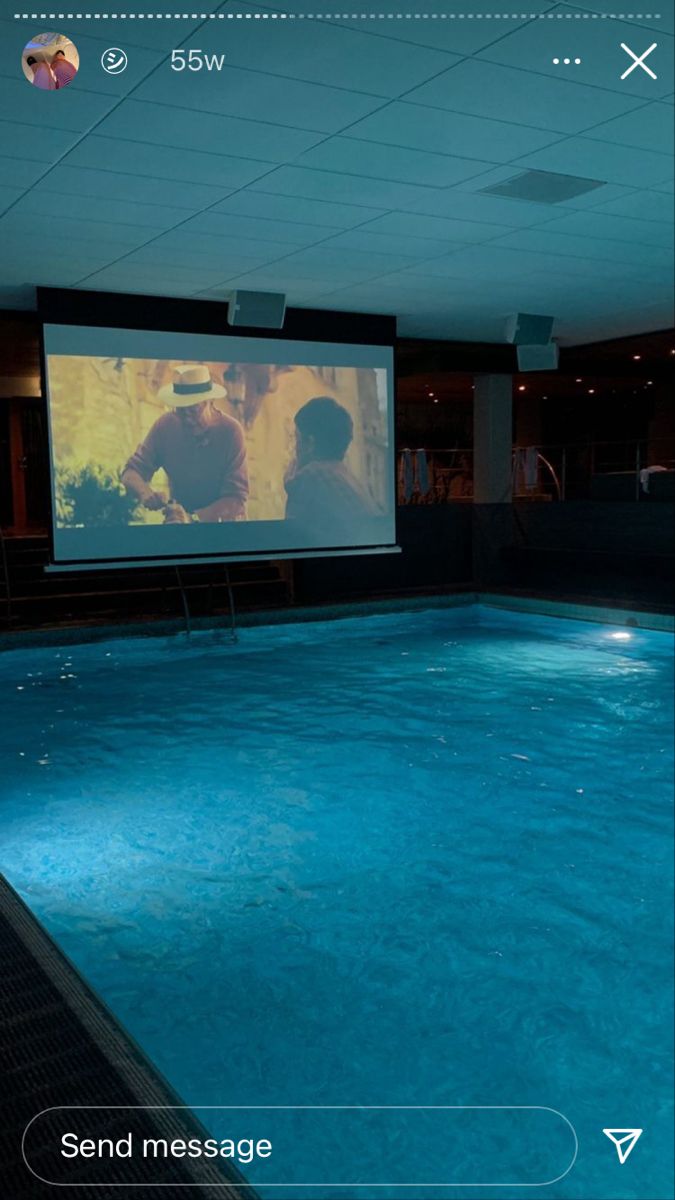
<point>531,466</point>
<point>422,472</point>
<point>644,476</point>
<point>405,475</point>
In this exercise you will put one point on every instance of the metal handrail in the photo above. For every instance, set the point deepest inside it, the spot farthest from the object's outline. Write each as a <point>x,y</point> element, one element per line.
<point>5,578</point>
<point>570,467</point>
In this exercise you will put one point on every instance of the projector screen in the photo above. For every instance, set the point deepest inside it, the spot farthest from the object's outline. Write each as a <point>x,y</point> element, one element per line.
<point>178,446</point>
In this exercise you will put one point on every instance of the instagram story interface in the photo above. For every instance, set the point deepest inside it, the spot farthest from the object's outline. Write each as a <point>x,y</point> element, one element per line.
<point>337,464</point>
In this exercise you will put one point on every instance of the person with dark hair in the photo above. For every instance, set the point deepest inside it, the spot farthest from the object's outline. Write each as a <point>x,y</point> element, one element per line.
<point>326,502</point>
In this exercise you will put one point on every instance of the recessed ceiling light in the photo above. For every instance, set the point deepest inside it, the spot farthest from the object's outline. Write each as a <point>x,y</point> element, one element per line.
<point>637,357</point>
<point>578,381</point>
<point>522,387</point>
<point>650,383</point>
<point>591,391</point>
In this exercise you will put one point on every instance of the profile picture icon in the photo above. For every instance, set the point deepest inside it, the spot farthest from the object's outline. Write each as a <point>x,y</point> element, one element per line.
<point>50,61</point>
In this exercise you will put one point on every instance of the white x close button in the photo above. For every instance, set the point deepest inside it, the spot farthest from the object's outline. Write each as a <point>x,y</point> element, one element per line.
<point>638,60</point>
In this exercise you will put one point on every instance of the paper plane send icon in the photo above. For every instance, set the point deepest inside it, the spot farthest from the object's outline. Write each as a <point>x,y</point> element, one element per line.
<point>624,1140</point>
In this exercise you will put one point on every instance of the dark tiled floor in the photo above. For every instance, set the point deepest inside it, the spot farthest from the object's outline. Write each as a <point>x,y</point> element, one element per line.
<point>60,1046</point>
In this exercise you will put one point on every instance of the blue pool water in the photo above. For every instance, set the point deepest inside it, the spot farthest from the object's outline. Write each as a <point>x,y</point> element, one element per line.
<point>412,859</point>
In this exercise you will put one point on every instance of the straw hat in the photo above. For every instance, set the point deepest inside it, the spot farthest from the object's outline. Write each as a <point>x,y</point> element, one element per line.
<point>192,383</point>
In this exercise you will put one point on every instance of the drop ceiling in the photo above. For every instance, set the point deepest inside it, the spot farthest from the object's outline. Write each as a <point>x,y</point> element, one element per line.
<point>345,161</point>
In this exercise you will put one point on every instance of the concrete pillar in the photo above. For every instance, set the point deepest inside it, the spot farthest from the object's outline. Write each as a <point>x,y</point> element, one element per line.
<point>492,479</point>
<point>492,439</point>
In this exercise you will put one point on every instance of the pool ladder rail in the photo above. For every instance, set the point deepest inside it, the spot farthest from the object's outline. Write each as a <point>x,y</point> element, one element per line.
<point>5,591</point>
<point>230,599</point>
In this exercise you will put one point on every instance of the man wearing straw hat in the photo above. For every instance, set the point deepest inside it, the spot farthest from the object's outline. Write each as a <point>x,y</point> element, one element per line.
<point>201,450</point>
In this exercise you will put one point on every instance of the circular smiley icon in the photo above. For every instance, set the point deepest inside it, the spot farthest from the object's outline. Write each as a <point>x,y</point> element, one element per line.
<point>114,61</point>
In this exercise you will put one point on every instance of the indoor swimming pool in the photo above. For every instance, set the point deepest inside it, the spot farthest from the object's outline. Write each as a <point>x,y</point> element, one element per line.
<point>406,859</point>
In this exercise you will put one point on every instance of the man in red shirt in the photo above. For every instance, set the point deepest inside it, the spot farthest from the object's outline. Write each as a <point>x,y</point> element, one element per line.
<point>201,450</point>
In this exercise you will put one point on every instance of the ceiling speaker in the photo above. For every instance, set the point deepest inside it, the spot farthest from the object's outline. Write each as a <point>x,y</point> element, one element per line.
<point>258,310</point>
<point>538,358</point>
<point>528,329</point>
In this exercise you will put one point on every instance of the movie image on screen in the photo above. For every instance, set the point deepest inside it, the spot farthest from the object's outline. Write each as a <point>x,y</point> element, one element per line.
<point>173,445</point>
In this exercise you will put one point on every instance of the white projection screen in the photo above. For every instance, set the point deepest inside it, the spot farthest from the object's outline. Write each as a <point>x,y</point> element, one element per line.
<point>171,446</point>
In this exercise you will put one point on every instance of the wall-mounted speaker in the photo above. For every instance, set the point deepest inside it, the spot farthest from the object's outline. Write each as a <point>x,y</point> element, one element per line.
<point>528,329</point>
<point>538,358</point>
<point>258,310</point>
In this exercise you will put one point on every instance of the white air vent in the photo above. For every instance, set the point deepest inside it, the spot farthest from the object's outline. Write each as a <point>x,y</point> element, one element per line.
<point>543,187</point>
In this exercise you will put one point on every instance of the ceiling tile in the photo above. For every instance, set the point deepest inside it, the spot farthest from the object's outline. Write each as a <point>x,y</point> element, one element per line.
<point>260,203</point>
<point>57,270</point>
<point>255,96</point>
<point>74,110</point>
<point>8,195</point>
<point>517,96</point>
<point>278,277</point>
<point>495,261</point>
<point>604,226</point>
<point>299,294</point>
<point>160,252</point>
<point>188,244</point>
<point>153,162</point>
<point>325,261</point>
<point>547,241</point>
<point>461,205</point>
<point>138,283</point>
<point>345,154</point>
<point>647,128</point>
<point>648,206</point>
<point>439,227</point>
<point>20,172</point>
<point>178,128</point>
<point>600,160</point>
<point>14,35</point>
<point>367,238</point>
<point>67,180</point>
<point>152,276</point>
<point>423,128</point>
<point>34,142</point>
<point>90,208</point>
<point>291,233</point>
<point>46,230</point>
<point>343,189</point>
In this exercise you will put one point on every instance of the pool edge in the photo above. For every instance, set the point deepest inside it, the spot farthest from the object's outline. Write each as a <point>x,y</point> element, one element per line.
<point>582,610</point>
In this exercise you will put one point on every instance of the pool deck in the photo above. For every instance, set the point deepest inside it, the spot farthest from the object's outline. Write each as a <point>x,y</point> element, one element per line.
<point>60,1046</point>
